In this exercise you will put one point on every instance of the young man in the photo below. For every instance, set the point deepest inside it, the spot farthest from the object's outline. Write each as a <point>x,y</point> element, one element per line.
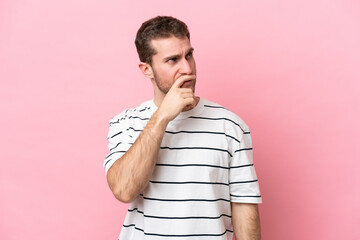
<point>184,163</point>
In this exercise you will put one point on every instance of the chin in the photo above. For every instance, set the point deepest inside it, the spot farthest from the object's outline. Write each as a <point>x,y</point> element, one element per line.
<point>190,86</point>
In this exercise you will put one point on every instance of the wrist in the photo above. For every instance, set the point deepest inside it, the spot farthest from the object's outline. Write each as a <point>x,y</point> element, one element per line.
<point>160,120</point>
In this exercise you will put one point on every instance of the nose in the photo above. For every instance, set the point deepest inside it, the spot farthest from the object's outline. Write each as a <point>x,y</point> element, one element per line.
<point>185,67</point>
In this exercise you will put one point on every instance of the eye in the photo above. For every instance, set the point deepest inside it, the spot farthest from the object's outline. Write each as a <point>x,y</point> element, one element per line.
<point>172,60</point>
<point>189,55</point>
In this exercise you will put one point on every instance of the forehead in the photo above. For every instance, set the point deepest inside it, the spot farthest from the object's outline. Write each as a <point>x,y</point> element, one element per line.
<point>170,46</point>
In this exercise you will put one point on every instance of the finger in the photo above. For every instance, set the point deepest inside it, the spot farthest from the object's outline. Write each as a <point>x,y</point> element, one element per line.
<point>182,79</point>
<point>185,90</point>
<point>189,102</point>
<point>187,95</point>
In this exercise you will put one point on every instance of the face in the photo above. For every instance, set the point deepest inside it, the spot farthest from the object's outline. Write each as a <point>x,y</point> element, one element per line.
<point>173,58</point>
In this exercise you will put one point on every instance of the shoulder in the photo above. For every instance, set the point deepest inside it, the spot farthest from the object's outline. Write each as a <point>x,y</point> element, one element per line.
<point>220,112</point>
<point>142,112</point>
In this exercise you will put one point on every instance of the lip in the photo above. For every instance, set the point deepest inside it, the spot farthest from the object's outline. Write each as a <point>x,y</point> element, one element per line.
<point>186,83</point>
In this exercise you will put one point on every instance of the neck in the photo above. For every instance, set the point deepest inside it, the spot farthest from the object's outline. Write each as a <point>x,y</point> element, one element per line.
<point>158,97</point>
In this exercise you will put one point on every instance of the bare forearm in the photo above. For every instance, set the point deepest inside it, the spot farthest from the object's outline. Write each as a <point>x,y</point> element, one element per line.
<point>131,173</point>
<point>246,221</point>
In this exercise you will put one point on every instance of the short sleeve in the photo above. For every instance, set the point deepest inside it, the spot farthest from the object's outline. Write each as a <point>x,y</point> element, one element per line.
<point>120,138</point>
<point>244,186</point>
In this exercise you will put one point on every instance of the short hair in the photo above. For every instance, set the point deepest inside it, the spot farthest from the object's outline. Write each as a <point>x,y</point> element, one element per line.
<point>156,28</point>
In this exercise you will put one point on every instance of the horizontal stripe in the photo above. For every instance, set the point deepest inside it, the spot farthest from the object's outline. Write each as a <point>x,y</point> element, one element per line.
<point>243,196</point>
<point>145,108</point>
<point>243,182</point>
<point>186,235</point>
<point>186,165</point>
<point>196,148</point>
<point>111,159</point>
<point>135,117</point>
<point>135,130</point>
<point>243,149</point>
<point>116,134</point>
<point>201,165</point>
<point>136,109</point>
<point>114,153</point>
<point>241,166</point>
<point>184,200</point>
<point>211,183</point>
<point>115,147</point>
<point>227,119</point>
<point>128,117</point>
<point>190,165</point>
<point>192,217</point>
<point>210,106</point>
<point>205,132</point>
<point>119,144</point>
<point>106,163</point>
<point>130,225</point>
<point>223,150</point>
<point>205,183</point>
<point>170,132</point>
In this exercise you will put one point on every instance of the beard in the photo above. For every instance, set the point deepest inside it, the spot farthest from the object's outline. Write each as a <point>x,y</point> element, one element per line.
<point>164,86</point>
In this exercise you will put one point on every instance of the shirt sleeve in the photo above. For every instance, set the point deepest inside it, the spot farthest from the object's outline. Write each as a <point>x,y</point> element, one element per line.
<point>120,138</point>
<point>244,186</point>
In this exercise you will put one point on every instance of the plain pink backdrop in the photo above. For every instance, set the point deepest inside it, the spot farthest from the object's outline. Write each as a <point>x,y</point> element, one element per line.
<point>290,69</point>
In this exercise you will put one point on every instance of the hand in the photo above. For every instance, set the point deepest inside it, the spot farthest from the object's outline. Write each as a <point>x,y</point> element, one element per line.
<point>177,99</point>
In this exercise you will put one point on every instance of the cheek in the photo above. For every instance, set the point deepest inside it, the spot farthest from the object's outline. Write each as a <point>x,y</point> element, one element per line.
<point>193,64</point>
<point>168,78</point>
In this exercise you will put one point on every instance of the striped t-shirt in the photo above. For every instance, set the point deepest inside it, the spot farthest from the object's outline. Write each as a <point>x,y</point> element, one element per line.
<point>204,163</point>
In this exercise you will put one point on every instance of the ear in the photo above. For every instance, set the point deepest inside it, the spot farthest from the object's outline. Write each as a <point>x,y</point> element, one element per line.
<point>146,69</point>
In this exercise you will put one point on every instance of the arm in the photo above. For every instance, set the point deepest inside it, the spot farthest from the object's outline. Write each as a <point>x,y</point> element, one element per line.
<point>246,221</point>
<point>130,174</point>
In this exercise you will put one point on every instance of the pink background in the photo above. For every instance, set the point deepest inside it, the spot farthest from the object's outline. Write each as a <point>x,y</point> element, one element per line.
<point>290,69</point>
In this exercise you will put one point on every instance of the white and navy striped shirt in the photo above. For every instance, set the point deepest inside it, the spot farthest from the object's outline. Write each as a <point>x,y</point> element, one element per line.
<point>204,163</point>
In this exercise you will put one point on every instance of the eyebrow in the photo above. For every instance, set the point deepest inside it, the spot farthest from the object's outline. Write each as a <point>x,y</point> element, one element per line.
<point>178,55</point>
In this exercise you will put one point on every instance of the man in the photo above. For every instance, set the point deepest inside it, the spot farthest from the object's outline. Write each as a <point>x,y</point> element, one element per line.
<point>184,163</point>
